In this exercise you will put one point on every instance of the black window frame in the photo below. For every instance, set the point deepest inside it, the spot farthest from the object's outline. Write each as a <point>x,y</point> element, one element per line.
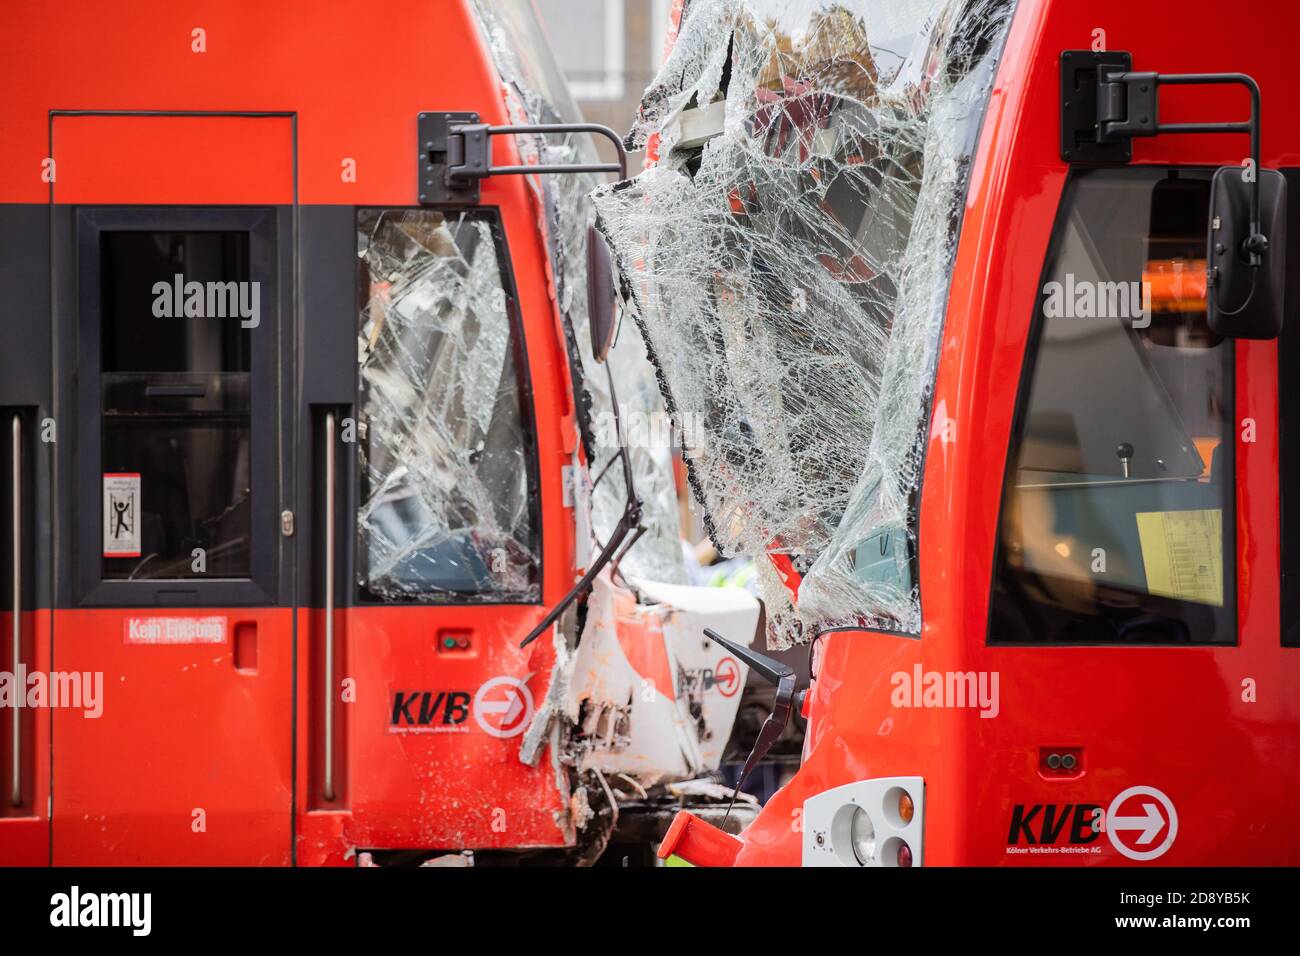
<point>1024,394</point>
<point>260,588</point>
<point>1288,436</point>
<point>362,594</point>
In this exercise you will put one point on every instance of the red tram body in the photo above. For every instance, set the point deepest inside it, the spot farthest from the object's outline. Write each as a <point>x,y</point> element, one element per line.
<point>275,144</point>
<point>1210,717</point>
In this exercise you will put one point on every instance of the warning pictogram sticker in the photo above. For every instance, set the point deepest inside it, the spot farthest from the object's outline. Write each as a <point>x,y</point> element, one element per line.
<point>1141,823</point>
<point>503,706</point>
<point>121,514</point>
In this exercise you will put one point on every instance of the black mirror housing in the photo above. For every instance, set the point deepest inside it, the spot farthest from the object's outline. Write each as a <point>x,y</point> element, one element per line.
<point>601,303</point>
<point>1245,300</point>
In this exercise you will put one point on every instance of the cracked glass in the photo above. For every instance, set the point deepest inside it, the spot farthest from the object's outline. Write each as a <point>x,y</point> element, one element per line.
<point>535,92</point>
<point>789,257</point>
<point>447,486</point>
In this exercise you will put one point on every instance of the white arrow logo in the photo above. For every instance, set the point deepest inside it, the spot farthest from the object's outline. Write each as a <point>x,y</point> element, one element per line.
<point>514,705</point>
<point>1149,823</point>
<point>518,701</point>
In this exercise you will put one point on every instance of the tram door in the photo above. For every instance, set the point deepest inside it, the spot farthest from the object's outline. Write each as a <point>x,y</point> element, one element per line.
<point>172,630</point>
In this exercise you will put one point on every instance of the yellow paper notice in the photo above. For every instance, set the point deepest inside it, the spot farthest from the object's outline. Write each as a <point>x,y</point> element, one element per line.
<point>1183,554</point>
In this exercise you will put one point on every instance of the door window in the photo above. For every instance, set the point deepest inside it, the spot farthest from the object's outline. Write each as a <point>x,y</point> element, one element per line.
<point>176,445</point>
<point>448,478</point>
<point>1118,521</point>
<point>178,311</point>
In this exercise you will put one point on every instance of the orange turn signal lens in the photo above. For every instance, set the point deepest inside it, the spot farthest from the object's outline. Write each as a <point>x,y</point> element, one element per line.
<point>905,807</point>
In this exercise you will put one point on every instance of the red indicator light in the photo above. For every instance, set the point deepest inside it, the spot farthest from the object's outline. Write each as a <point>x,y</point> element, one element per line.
<point>454,641</point>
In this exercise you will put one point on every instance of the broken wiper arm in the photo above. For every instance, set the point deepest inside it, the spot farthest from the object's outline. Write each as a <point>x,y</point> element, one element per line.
<point>631,518</point>
<point>783,676</point>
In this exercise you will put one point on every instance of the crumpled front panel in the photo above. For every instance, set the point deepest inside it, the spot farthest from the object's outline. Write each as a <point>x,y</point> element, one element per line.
<point>790,257</point>
<point>446,505</point>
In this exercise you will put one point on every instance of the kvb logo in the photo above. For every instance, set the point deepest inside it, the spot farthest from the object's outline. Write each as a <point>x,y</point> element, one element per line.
<point>427,711</point>
<point>1044,825</point>
<point>502,707</point>
<point>1133,822</point>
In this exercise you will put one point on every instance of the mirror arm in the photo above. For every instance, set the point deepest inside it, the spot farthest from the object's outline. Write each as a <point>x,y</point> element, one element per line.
<point>622,445</point>
<point>1128,106</point>
<point>455,154</point>
<point>470,151</point>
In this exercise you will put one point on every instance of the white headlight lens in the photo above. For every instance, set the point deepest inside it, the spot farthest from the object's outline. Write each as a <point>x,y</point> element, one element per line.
<point>863,835</point>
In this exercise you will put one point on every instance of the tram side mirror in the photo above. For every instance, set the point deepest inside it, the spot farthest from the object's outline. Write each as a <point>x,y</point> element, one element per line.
<point>601,305</point>
<point>1246,270</point>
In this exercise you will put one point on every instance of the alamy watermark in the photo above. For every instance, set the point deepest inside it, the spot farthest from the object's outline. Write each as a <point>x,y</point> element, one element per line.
<point>973,689</point>
<point>208,300</point>
<point>73,690</point>
<point>1087,299</point>
<point>650,430</point>
<point>133,911</point>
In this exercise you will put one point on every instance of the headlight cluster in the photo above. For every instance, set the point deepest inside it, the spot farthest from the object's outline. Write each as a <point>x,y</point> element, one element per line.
<point>868,823</point>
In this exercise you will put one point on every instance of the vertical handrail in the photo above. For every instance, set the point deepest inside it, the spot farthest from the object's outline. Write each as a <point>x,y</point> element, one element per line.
<point>16,431</point>
<point>328,789</point>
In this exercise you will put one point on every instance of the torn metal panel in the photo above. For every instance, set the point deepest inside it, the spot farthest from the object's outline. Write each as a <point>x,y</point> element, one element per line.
<point>638,692</point>
<point>651,697</point>
<point>535,92</point>
<point>445,500</point>
<point>554,705</point>
<point>790,258</point>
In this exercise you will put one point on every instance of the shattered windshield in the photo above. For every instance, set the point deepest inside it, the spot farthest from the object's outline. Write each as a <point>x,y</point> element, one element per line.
<point>789,257</point>
<point>446,472</point>
<point>535,92</point>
